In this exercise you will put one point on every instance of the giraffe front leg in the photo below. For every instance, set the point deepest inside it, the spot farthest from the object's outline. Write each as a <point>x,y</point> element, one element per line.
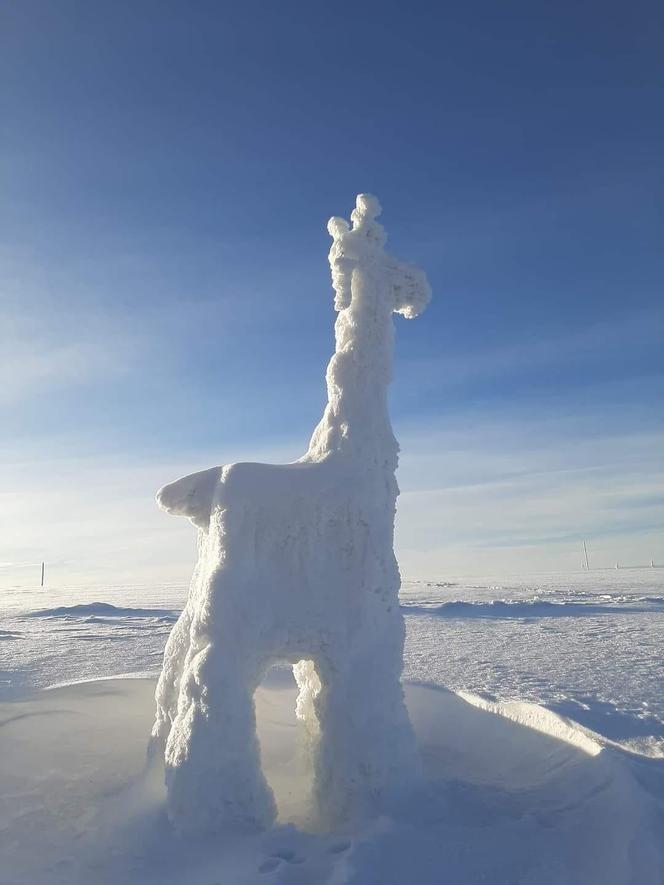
<point>168,685</point>
<point>176,653</point>
<point>213,772</point>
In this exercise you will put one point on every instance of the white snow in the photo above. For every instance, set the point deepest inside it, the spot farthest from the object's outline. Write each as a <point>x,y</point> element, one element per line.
<point>597,660</point>
<point>94,611</point>
<point>296,563</point>
<point>502,802</point>
<point>586,646</point>
<point>528,801</point>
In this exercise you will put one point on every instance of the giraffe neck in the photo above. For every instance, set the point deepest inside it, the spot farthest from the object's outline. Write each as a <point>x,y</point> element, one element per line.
<point>356,421</point>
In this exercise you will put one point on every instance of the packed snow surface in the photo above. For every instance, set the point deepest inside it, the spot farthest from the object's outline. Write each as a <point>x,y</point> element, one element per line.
<point>581,695</point>
<point>502,802</point>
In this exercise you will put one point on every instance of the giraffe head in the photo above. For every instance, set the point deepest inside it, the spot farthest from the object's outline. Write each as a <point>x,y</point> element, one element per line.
<point>362,245</point>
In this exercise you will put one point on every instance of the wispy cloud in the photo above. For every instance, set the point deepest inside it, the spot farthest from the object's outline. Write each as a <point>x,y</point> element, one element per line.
<point>521,494</point>
<point>505,495</point>
<point>95,519</point>
<point>482,490</point>
<point>525,355</point>
<point>56,340</point>
<point>34,367</point>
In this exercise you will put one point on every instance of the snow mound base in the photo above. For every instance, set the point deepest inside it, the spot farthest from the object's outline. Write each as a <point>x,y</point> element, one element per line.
<point>501,802</point>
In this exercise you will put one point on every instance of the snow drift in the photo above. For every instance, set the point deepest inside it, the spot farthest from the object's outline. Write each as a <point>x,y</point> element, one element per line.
<point>104,610</point>
<point>532,608</point>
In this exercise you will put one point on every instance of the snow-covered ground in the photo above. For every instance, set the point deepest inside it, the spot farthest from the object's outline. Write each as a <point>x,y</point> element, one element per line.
<point>589,646</point>
<point>569,791</point>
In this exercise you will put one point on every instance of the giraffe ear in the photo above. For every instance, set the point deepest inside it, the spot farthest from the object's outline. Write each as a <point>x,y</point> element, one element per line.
<point>412,292</point>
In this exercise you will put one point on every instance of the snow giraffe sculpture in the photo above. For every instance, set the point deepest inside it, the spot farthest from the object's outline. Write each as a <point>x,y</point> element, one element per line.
<point>296,564</point>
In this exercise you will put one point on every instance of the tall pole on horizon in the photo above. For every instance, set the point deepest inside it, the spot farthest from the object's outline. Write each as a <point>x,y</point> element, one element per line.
<point>42,574</point>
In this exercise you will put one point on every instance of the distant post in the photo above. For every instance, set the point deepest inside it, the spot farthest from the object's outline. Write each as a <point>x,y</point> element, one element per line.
<point>42,575</point>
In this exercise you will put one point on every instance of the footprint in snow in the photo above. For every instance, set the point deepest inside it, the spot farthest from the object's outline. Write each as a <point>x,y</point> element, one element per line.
<point>270,864</point>
<point>275,859</point>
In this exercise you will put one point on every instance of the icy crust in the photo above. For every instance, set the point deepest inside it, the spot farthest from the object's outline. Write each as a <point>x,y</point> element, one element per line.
<point>296,563</point>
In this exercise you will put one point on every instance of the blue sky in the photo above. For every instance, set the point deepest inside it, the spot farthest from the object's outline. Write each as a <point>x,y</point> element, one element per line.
<point>168,169</point>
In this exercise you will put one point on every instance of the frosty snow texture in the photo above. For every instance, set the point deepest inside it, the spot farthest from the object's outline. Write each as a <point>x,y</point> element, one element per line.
<point>296,564</point>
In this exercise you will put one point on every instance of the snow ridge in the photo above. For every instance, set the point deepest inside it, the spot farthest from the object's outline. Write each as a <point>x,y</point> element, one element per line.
<point>534,608</point>
<point>104,609</point>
